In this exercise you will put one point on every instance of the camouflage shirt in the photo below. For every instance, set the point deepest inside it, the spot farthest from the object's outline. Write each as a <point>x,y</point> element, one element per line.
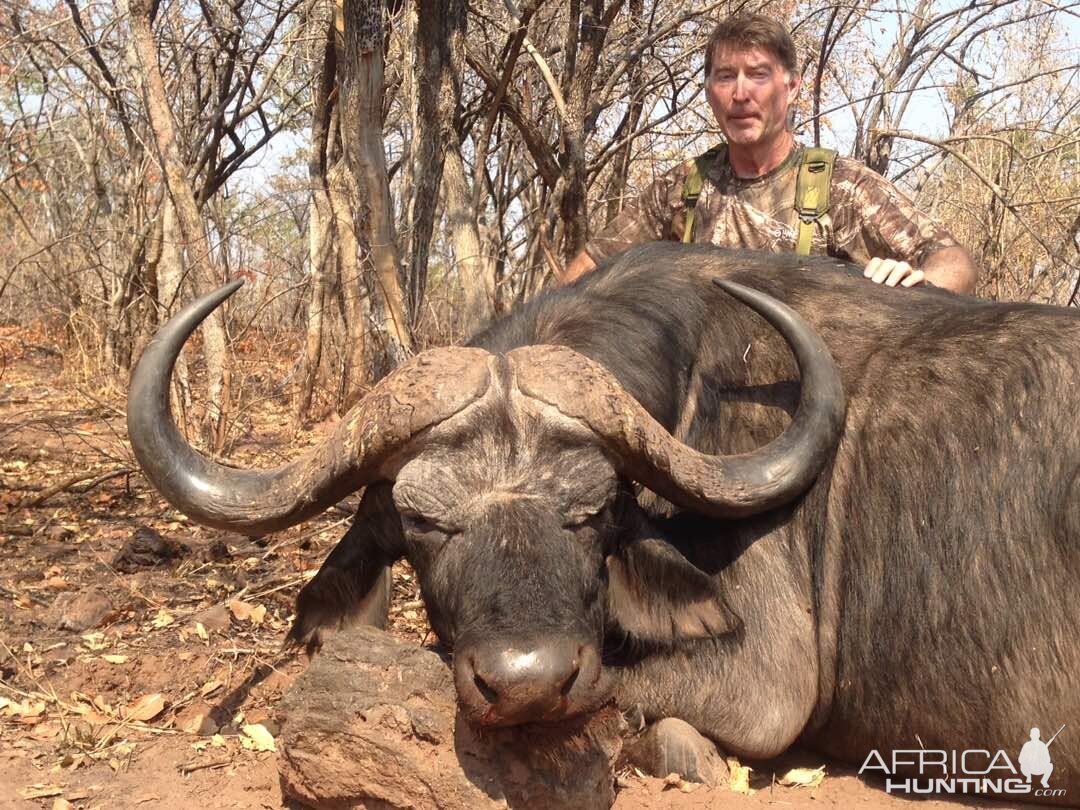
<point>868,217</point>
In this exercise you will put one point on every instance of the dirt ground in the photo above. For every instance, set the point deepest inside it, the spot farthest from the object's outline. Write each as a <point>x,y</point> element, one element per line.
<point>168,700</point>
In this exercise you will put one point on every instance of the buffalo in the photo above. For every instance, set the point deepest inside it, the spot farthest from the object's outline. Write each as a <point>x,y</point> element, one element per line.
<point>753,492</point>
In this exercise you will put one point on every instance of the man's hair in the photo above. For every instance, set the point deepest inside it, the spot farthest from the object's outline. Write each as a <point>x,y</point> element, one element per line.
<point>745,31</point>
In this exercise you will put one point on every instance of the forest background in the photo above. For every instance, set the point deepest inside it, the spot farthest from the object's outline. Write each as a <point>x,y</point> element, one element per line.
<point>391,175</point>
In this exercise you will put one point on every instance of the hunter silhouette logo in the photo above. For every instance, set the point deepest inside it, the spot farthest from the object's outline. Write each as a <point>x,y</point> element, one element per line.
<point>974,770</point>
<point>1035,757</point>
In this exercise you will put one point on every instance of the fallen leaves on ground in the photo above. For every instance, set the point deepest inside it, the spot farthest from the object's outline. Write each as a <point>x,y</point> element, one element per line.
<point>255,737</point>
<point>674,780</point>
<point>803,777</point>
<point>40,791</point>
<point>739,777</point>
<point>246,612</point>
<point>146,707</point>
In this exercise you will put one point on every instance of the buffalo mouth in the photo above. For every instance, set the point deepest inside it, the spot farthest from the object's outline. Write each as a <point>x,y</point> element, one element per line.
<point>538,681</point>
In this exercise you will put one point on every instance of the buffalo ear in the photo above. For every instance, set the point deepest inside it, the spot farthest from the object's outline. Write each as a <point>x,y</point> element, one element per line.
<point>354,583</point>
<point>656,594</point>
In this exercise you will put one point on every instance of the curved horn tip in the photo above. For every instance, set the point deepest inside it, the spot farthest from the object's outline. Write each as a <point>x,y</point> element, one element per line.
<point>733,288</point>
<point>228,288</point>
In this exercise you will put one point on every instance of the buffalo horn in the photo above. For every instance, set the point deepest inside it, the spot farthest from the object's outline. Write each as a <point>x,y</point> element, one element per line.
<point>724,486</point>
<point>420,393</point>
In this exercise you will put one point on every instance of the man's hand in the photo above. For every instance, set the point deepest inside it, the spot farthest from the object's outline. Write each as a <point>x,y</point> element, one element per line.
<point>579,266</point>
<point>891,272</point>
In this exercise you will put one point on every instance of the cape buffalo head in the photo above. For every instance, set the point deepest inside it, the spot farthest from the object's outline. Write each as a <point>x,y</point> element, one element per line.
<point>504,480</point>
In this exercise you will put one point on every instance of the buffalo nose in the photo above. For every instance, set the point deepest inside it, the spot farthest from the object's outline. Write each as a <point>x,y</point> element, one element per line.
<point>507,684</point>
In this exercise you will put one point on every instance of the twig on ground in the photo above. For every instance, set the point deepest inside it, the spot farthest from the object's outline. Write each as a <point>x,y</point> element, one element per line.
<point>94,477</point>
<point>190,767</point>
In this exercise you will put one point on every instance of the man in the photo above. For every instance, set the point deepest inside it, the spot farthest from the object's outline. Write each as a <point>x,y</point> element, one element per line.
<point>747,192</point>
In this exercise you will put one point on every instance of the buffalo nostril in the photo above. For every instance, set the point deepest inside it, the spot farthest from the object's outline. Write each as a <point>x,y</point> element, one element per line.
<point>568,684</point>
<point>490,695</point>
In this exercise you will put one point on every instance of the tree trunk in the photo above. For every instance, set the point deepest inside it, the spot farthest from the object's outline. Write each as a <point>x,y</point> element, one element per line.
<point>587,46</point>
<point>438,62</point>
<point>354,294</point>
<point>476,271</point>
<point>361,84</point>
<point>620,164</point>
<point>196,245</point>
<point>170,276</point>
<point>320,226</point>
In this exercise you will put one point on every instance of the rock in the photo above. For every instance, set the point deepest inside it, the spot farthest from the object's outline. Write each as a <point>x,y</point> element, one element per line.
<point>214,618</point>
<point>54,551</point>
<point>197,719</point>
<point>59,534</point>
<point>79,610</point>
<point>373,723</point>
<point>263,718</point>
<point>147,549</point>
<point>674,746</point>
<point>215,551</point>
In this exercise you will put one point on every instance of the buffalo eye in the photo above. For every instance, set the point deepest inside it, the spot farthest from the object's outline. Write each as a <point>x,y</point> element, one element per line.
<point>416,524</point>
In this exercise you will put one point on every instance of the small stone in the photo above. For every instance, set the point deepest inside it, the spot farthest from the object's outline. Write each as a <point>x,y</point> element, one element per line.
<point>147,549</point>
<point>80,610</point>
<point>59,534</point>
<point>263,718</point>
<point>197,719</point>
<point>215,551</point>
<point>673,748</point>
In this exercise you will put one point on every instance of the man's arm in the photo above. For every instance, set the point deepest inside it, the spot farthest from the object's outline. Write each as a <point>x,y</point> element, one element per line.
<point>579,266</point>
<point>950,268</point>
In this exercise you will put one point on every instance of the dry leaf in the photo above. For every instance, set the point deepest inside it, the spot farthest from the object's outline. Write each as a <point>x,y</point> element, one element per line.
<point>92,718</point>
<point>202,631</point>
<point>245,612</point>
<point>146,707</point>
<point>162,619</point>
<point>40,791</point>
<point>115,659</point>
<point>803,777</point>
<point>210,686</point>
<point>217,741</point>
<point>48,730</point>
<point>255,737</point>
<point>61,803</point>
<point>676,781</point>
<point>739,777</point>
<point>25,710</point>
<point>94,641</point>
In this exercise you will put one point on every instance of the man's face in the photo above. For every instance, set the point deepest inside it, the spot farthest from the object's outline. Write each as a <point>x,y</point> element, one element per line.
<point>750,92</point>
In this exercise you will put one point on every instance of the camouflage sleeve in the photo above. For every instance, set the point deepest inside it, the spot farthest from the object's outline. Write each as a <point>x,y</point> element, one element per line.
<point>874,219</point>
<point>647,218</point>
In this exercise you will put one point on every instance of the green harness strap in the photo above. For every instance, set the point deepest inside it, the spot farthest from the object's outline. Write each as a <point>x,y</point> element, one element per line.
<point>811,190</point>
<point>812,193</point>
<point>695,181</point>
